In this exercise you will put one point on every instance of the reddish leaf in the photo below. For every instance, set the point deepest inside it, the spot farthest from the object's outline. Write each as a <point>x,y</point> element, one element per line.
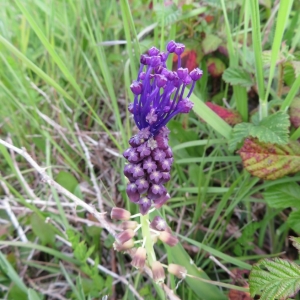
<point>188,60</point>
<point>229,116</point>
<point>238,295</point>
<point>215,66</point>
<point>295,112</point>
<point>269,161</point>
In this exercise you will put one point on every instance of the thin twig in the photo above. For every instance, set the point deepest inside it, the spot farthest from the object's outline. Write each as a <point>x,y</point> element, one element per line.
<point>11,214</point>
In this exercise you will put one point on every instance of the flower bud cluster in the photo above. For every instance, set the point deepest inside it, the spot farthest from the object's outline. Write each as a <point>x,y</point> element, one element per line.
<point>150,160</point>
<point>159,92</point>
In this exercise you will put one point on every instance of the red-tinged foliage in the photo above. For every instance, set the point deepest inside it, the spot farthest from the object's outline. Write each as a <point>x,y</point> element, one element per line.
<point>238,295</point>
<point>215,67</point>
<point>295,112</point>
<point>188,60</point>
<point>229,116</point>
<point>269,161</point>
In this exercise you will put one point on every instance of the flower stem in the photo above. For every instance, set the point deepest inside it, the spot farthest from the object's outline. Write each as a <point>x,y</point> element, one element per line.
<point>149,243</point>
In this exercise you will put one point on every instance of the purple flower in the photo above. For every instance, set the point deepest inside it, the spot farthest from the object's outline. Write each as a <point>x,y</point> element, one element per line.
<point>158,97</point>
<point>159,91</point>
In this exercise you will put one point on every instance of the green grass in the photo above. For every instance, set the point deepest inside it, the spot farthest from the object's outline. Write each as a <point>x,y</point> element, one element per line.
<point>68,64</point>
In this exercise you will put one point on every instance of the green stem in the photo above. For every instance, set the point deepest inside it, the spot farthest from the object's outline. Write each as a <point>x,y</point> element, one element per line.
<point>263,110</point>
<point>149,243</point>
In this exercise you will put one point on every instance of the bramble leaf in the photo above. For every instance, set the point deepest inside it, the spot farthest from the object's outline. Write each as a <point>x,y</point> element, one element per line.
<point>237,76</point>
<point>283,195</point>
<point>273,129</point>
<point>274,279</point>
<point>228,115</point>
<point>269,161</point>
<point>239,132</point>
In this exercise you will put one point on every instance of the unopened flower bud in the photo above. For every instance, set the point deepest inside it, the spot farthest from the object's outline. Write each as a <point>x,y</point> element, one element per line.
<point>177,270</point>
<point>179,49</point>
<point>158,272</point>
<point>182,73</point>
<point>129,225</point>
<point>125,236</point>
<point>139,258</point>
<point>120,214</point>
<point>171,46</point>
<point>158,224</point>
<point>158,203</point>
<point>196,74</point>
<point>153,51</point>
<point>168,238</point>
<point>123,247</point>
<point>136,87</point>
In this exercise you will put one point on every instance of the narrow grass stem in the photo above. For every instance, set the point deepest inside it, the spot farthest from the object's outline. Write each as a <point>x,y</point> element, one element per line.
<point>147,236</point>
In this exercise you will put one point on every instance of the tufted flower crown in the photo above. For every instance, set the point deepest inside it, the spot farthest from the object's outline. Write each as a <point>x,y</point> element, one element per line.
<point>158,97</point>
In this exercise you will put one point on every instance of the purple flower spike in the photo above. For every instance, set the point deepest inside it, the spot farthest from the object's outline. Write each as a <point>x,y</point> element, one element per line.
<point>145,204</point>
<point>182,73</point>
<point>179,49</point>
<point>132,192</point>
<point>158,97</point>
<point>153,51</point>
<point>196,74</point>
<point>136,87</point>
<point>171,46</point>
<point>142,185</point>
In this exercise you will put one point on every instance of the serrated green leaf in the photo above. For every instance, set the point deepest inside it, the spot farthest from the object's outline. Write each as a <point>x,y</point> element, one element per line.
<point>273,129</point>
<point>269,161</point>
<point>237,76</point>
<point>294,220</point>
<point>211,43</point>
<point>239,132</point>
<point>274,279</point>
<point>283,195</point>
